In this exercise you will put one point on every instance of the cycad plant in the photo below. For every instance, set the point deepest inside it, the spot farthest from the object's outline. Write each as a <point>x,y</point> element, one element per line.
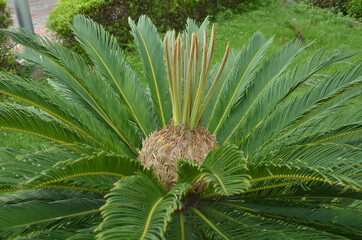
<point>297,28</point>
<point>247,148</point>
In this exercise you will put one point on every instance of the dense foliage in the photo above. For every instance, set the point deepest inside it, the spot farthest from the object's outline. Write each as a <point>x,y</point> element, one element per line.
<point>7,61</point>
<point>352,8</point>
<point>288,165</point>
<point>113,15</point>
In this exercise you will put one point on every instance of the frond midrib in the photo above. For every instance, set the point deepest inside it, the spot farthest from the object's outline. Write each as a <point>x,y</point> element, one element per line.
<point>112,174</point>
<point>147,225</point>
<point>122,93</point>
<point>66,122</point>
<point>105,117</point>
<point>208,222</point>
<point>236,90</point>
<point>154,78</point>
<point>41,136</point>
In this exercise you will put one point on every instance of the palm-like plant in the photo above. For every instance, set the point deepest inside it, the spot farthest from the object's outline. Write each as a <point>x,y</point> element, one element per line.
<point>297,28</point>
<point>283,157</point>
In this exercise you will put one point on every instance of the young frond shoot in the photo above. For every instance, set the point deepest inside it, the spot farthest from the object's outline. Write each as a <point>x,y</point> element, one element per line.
<point>188,63</point>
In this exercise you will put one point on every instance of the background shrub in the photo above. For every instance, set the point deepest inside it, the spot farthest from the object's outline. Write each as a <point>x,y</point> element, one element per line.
<point>66,10</point>
<point>355,9</point>
<point>7,60</point>
<point>113,14</point>
<point>352,8</point>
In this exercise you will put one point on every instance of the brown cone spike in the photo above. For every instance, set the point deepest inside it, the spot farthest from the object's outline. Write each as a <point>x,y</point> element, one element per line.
<point>163,148</point>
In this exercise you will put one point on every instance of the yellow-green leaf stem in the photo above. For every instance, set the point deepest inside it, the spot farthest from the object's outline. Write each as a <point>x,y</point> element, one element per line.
<point>163,121</point>
<point>213,86</point>
<point>210,52</point>
<point>203,217</point>
<point>174,87</point>
<point>41,136</point>
<point>169,76</point>
<point>149,218</point>
<point>182,226</point>
<point>63,120</point>
<point>112,174</point>
<point>234,95</point>
<point>187,101</point>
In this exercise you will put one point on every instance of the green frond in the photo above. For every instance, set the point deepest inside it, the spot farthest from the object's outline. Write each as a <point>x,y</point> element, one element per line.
<point>192,26</point>
<point>108,58</point>
<point>47,195</point>
<point>17,166</point>
<point>340,222</point>
<point>38,123</point>
<point>81,232</point>
<point>223,167</point>
<point>72,115</point>
<point>85,233</point>
<point>224,78</point>
<point>55,60</point>
<point>100,164</point>
<point>289,98</point>
<point>182,227</point>
<point>225,220</point>
<point>6,188</point>
<point>210,228</point>
<point>78,185</point>
<point>321,173</point>
<point>254,95</point>
<point>275,174</point>
<point>43,215</point>
<point>48,234</point>
<point>151,50</point>
<point>25,91</point>
<point>308,192</point>
<point>243,72</point>
<point>81,185</point>
<point>137,208</point>
<point>188,171</point>
<point>338,164</point>
<point>22,165</point>
<point>83,84</point>
<point>94,94</point>
<point>326,155</point>
<point>319,60</point>
<point>340,123</point>
<point>305,118</point>
<point>346,134</point>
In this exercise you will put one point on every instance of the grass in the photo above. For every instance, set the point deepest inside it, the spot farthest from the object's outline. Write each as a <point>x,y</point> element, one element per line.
<point>327,30</point>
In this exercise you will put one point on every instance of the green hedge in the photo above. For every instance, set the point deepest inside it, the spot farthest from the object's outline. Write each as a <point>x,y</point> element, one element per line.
<point>7,60</point>
<point>113,14</point>
<point>352,8</point>
<point>355,9</point>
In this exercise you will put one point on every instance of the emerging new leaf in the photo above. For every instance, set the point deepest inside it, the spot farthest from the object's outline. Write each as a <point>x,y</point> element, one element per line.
<point>188,66</point>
